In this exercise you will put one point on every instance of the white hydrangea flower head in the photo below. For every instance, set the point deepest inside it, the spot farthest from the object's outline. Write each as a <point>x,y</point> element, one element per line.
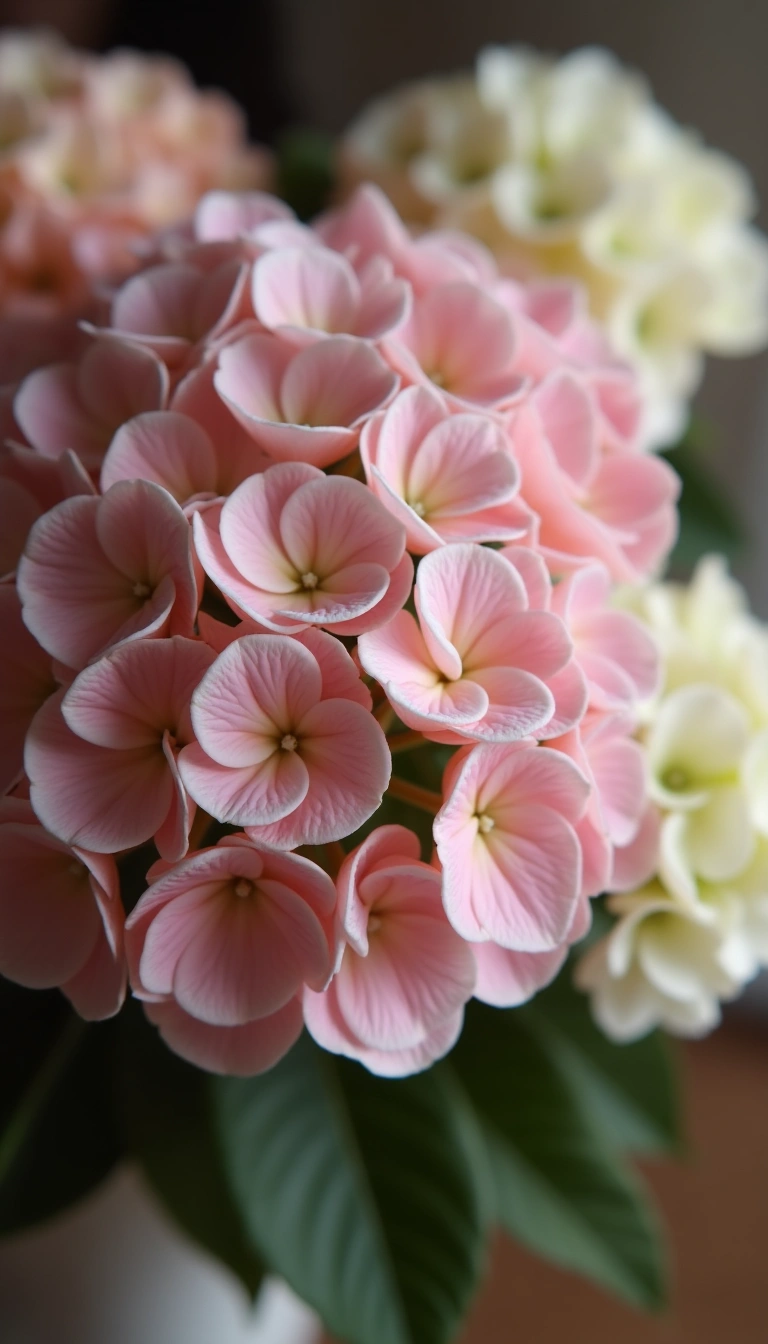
<point>697,931</point>
<point>568,167</point>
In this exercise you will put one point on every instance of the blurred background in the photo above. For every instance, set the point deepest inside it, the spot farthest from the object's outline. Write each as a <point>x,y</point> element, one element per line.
<point>314,63</point>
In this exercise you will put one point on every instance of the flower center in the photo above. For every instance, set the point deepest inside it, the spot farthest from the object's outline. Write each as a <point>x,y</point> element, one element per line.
<point>141,590</point>
<point>485,823</point>
<point>675,779</point>
<point>418,508</point>
<point>243,888</point>
<point>309,580</point>
<point>289,742</point>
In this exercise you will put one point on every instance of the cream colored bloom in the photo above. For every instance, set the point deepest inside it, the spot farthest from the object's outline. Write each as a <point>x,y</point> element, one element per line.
<point>568,167</point>
<point>699,931</point>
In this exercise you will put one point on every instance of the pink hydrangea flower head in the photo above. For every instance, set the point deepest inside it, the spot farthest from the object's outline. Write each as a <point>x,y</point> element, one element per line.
<point>80,405</point>
<point>26,683</point>
<point>99,572</point>
<point>276,752</point>
<point>396,1002</point>
<point>220,947</point>
<point>616,652</point>
<point>446,477</point>
<point>292,547</point>
<point>30,484</point>
<point>477,662</point>
<point>462,341</point>
<point>61,921</point>
<point>510,855</point>
<point>304,292</point>
<point>307,405</point>
<point>102,757</point>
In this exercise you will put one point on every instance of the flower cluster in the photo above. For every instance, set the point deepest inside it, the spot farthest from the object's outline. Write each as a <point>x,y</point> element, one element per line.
<point>211,629</point>
<point>568,167</point>
<point>695,929</point>
<point>96,152</point>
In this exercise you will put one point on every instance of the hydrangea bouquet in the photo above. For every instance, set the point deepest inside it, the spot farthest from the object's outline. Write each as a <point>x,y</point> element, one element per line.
<point>338,683</point>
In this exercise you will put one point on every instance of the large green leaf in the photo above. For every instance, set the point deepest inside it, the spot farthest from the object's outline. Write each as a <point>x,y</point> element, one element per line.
<point>559,1188</point>
<point>58,1136</point>
<point>628,1092</point>
<point>362,1192</point>
<point>168,1123</point>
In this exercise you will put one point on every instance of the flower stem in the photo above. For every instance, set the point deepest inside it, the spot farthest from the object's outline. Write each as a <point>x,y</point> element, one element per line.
<point>405,741</point>
<point>384,715</point>
<point>415,795</point>
<point>335,855</point>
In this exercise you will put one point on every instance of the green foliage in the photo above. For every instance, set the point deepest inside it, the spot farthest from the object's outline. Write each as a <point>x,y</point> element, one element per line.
<point>305,170</point>
<point>560,1188</point>
<point>709,520</point>
<point>362,1192</point>
<point>167,1118</point>
<point>58,1136</point>
<point>627,1092</point>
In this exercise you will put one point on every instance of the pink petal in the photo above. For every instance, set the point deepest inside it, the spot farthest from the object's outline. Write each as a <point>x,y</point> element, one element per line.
<point>570,424</point>
<point>242,1051</point>
<point>251,525</point>
<point>49,921</point>
<point>164,447</point>
<point>348,764</point>
<point>27,682</point>
<point>335,382</point>
<point>306,287</point>
<point>258,690</point>
<point>462,591</point>
<point>257,795</point>
<point>506,979</point>
<point>91,796</point>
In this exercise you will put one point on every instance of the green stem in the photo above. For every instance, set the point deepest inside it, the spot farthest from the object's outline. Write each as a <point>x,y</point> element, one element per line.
<point>405,741</point>
<point>415,795</point>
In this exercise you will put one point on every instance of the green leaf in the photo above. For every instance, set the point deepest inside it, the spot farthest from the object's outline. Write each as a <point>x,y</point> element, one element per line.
<point>628,1092</point>
<point>58,1137</point>
<point>709,520</point>
<point>305,169</point>
<point>168,1121</point>
<point>362,1192</point>
<point>560,1189</point>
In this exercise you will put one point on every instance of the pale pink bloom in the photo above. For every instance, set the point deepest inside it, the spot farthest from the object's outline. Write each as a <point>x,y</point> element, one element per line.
<point>61,921</point>
<point>276,753</point>
<point>396,1001</point>
<point>446,477</point>
<point>476,664</point>
<point>304,292</point>
<point>615,650</point>
<point>340,675</point>
<point>603,748</point>
<point>307,405</point>
<point>225,216</point>
<point>79,406</point>
<point>292,547</point>
<point>26,683</point>
<point>30,484</point>
<point>222,944</point>
<point>101,759</point>
<point>368,227</point>
<point>176,452</point>
<point>617,508</point>
<point>636,863</point>
<point>175,308</point>
<point>462,341</point>
<point>100,572</point>
<point>510,855</point>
